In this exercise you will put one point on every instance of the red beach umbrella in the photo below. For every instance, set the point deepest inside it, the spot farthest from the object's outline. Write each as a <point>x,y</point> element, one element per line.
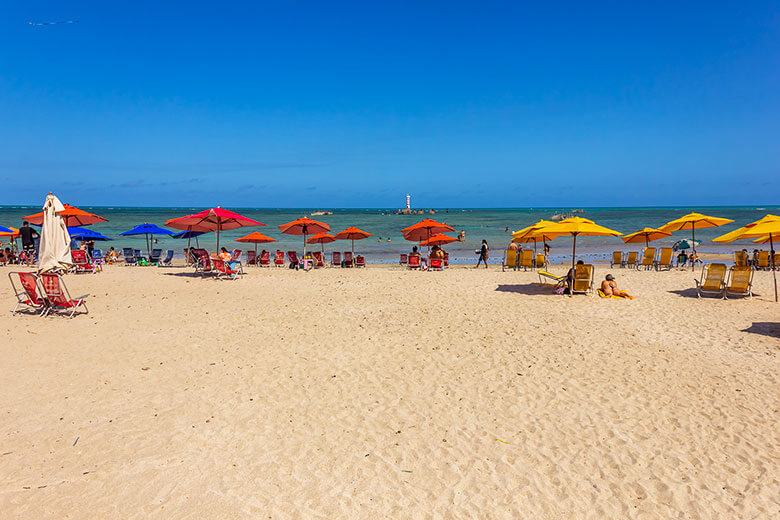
<point>424,229</point>
<point>73,217</point>
<point>439,239</point>
<point>213,219</point>
<point>322,239</point>
<point>352,233</point>
<point>256,238</point>
<point>304,226</point>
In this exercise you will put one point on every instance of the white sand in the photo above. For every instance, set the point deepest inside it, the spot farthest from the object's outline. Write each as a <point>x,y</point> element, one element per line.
<point>383,393</point>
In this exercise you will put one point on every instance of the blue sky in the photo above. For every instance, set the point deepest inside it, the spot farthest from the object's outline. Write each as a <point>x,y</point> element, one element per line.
<point>336,104</point>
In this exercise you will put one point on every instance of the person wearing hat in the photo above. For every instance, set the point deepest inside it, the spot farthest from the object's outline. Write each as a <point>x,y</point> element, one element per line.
<point>609,288</point>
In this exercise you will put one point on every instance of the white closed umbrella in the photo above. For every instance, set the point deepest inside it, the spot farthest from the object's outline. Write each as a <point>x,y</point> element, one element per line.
<point>54,248</point>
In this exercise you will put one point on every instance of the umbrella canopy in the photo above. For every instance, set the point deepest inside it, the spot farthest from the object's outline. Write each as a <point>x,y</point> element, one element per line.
<point>321,238</point>
<point>529,234</point>
<point>188,234</point>
<point>73,217</point>
<point>685,244</point>
<point>147,229</point>
<point>86,234</point>
<point>213,219</point>
<point>737,233</point>
<point>54,246</point>
<point>694,221</point>
<point>439,239</point>
<point>576,226</point>
<point>256,238</point>
<point>6,230</point>
<point>11,232</point>
<point>424,229</point>
<point>352,233</point>
<point>645,235</point>
<point>304,226</point>
<point>768,229</point>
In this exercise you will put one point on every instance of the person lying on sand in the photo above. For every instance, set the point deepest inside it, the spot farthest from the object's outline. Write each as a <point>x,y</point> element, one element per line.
<point>609,288</point>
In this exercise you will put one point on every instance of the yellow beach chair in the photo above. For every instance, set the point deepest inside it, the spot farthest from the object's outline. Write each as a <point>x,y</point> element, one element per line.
<point>540,263</point>
<point>510,259</point>
<point>631,262</point>
<point>740,283</point>
<point>763,260</point>
<point>712,280</point>
<point>617,259</point>
<point>546,278</point>
<point>527,259</point>
<point>664,259</point>
<point>583,279</point>
<point>740,258</point>
<point>648,260</point>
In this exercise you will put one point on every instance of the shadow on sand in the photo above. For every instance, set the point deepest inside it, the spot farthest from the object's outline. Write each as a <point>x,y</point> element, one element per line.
<point>531,288</point>
<point>765,328</point>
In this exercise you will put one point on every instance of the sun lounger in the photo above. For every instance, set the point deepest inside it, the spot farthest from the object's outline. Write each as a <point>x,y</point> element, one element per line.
<point>648,259</point>
<point>414,261</point>
<point>129,256</point>
<point>265,259</point>
<point>763,260</point>
<point>348,259</point>
<point>510,259</point>
<point>154,256</point>
<point>740,258</point>
<point>292,256</point>
<point>631,262</point>
<point>335,259</point>
<point>223,269</point>
<point>58,296</point>
<point>527,259</point>
<point>540,263</point>
<point>546,278</point>
<point>28,296</point>
<point>583,279</point>
<point>81,263</point>
<point>664,259</point>
<point>712,276</point>
<point>360,261</point>
<point>166,262</point>
<point>617,259</point>
<point>279,259</point>
<point>251,258</point>
<point>740,282</point>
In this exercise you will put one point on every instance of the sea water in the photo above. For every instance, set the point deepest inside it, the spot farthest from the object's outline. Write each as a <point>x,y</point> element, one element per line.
<point>493,225</point>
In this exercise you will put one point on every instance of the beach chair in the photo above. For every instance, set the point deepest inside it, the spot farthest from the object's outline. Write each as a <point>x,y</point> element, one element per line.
<point>154,256</point>
<point>204,265</point>
<point>527,259</point>
<point>279,259</point>
<point>740,258</point>
<point>436,264</point>
<point>583,279</point>
<point>139,258</point>
<point>348,262</point>
<point>664,259</point>
<point>360,261</point>
<point>446,259</point>
<point>223,269</point>
<point>631,261</point>
<point>251,258</point>
<point>166,262</point>
<point>404,260</point>
<point>335,260</point>
<point>510,259</point>
<point>546,278</point>
<point>540,263</point>
<point>617,259</point>
<point>763,260</point>
<point>318,261</point>
<point>712,280</point>
<point>776,260</point>
<point>292,256</point>
<point>81,263</point>
<point>97,258</point>
<point>58,296</point>
<point>740,282</point>
<point>129,256</point>
<point>648,259</point>
<point>28,296</point>
<point>265,259</point>
<point>414,262</point>
<point>235,255</point>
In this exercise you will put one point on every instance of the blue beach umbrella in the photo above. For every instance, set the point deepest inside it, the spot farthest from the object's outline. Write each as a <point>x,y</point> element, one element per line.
<point>189,235</point>
<point>4,229</point>
<point>147,229</point>
<point>86,234</point>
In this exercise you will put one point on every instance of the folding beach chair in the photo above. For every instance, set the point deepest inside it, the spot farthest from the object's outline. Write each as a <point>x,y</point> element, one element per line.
<point>236,255</point>
<point>251,258</point>
<point>446,259</point>
<point>583,279</point>
<point>360,261</point>
<point>664,259</point>
<point>712,276</point>
<point>740,258</point>
<point>81,263</point>
<point>129,256</point>
<point>527,260</point>
<point>154,256</point>
<point>404,260</point>
<point>763,260</point>
<point>166,262</point>
<point>510,259</point>
<point>97,258</point>
<point>318,261</point>
<point>265,259</point>
<point>223,269</point>
<point>540,263</point>
<point>436,264</point>
<point>28,295</point>
<point>740,282</point>
<point>631,262</point>
<point>546,278</point>
<point>348,259</point>
<point>204,265</point>
<point>648,259</point>
<point>617,259</point>
<point>414,261</point>
<point>292,256</point>
<point>58,296</point>
<point>279,258</point>
<point>335,260</point>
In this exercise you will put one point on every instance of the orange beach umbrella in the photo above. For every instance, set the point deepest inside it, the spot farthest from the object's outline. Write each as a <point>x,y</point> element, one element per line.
<point>322,239</point>
<point>73,217</point>
<point>352,233</point>
<point>256,238</point>
<point>439,239</point>
<point>424,229</point>
<point>304,226</point>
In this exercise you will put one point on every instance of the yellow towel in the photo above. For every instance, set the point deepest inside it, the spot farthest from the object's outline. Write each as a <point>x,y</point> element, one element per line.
<point>602,295</point>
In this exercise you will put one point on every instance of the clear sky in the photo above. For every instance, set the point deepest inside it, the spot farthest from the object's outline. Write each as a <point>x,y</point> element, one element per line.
<point>334,104</point>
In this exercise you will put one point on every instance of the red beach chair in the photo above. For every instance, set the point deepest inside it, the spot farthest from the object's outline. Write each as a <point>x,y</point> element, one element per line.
<point>236,255</point>
<point>360,261</point>
<point>204,265</point>
<point>348,259</point>
<point>336,259</point>
<point>293,257</point>
<point>446,259</point>
<point>251,258</point>
<point>81,262</point>
<point>224,269</point>
<point>404,261</point>
<point>59,297</point>
<point>28,296</point>
<point>279,258</point>
<point>414,261</point>
<point>265,259</point>
<point>318,262</point>
<point>436,264</point>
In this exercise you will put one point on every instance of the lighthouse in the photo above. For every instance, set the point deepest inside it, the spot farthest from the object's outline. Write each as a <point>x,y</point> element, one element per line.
<point>408,201</point>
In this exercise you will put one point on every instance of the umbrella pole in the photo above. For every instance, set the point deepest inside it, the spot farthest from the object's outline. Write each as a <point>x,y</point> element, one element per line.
<point>693,245</point>
<point>774,267</point>
<point>217,239</point>
<point>189,237</point>
<point>573,252</point>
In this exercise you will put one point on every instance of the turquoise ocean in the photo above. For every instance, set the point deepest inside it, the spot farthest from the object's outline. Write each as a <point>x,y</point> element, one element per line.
<point>478,224</point>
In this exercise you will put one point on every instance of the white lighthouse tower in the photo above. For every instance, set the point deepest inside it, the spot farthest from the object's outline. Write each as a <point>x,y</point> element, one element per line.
<point>408,201</point>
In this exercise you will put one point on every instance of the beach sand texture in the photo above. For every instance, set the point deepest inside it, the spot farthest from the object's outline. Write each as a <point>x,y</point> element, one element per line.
<point>384,393</point>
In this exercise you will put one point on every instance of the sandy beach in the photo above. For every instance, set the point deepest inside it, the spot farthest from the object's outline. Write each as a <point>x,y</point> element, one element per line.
<point>385,393</point>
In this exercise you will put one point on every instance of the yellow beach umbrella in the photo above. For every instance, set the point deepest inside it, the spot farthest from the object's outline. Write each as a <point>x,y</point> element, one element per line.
<point>694,221</point>
<point>576,226</point>
<point>737,233</point>
<point>765,229</point>
<point>526,235</point>
<point>645,235</point>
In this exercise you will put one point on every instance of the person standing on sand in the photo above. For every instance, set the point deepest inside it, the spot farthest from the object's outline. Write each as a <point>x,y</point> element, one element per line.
<point>546,254</point>
<point>28,236</point>
<point>483,254</point>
